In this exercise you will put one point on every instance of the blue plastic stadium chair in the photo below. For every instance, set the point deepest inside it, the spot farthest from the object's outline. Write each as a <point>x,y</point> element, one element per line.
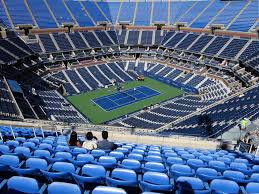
<point>34,140</point>
<point>191,185</point>
<point>48,141</point>
<point>108,190</point>
<point>122,178</point>
<point>178,170</point>
<point>77,151</point>
<point>59,171</point>
<point>135,156</point>
<point>252,188</point>
<point>153,158</point>
<point>131,164</point>
<point>206,159</point>
<point>22,151</point>
<point>156,181</point>
<point>64,188</point>
<point>20,139</point>
<point>45,146</point>
<point>12,143</point>
<point>82,159</point>
<point>8,160</point>
<point>187,156</point>
<point>118,155</point>
<point>154,153</point>
<point>170,154</point>
<point>32,166</point>
<point>174,160</point>
<point>236,176</point>
<point>90,173</point>
<point>241,160</point>
<point>208,174</point>
<point>4,149</point>
<point>97,153</point>
<point>138,151</point>
<point>30,145</point>
<point>154,167</point>
<point>196,163</point>
<point>61,148</point>
<point>225,160</point>
<point>17,184</point>
<point>41,154</point>
<point>107,162</point>
<point>124,150</point>
<point>254,177</point>
<point>60,157</point>
<point>220,186</point>
<point>242,167</point>
<point>255,168</point>
<point>218,165</point>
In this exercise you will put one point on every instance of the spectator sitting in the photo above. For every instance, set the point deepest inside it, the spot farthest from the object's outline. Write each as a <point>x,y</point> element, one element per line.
<point>73,141</point>
<point>90,143</point>
<point>105,144</point>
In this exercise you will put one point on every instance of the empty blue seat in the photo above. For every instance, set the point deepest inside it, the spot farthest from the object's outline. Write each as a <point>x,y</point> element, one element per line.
<point>97,153</point>
<point>22,151</point>
<point>252,188</point>
<point>218,165</point>
<point>108,162</point>
<point>90,173</point>
<point>178,170</point>
<point>82,159</point>
<point>154,167</point>
<point>108,190</point>
<point>20,139</point>
<point>45,146</point>
<point>32,166</point>
<point>242,167</point>
<point>254,177</point>
<point>77,151</point>
<point>61,148</point>
<point>59,171</point>
<point>206,159</point>
<point>122,178</point>
<point>60,156</point>
<point>4,149</point>
<point>195,163</point>
<point>64,188</point>
<point>236,176</point>
<point>118,155</point>
<point>138,157</point>
<point>12,143</point>
<point>24,185</point>
<point>131,164</point>
<point>174,160</point>
<point>224,186</point>
<point>155,181</point>
<point>8,160</point>
<point>191,185</point>
<point>153,158</point>
<point>207,174</point>
<point>30,145</point>
<point>41,153</point>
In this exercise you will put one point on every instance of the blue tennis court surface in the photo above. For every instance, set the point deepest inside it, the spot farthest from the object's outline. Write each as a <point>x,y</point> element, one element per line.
<point>123,98</point>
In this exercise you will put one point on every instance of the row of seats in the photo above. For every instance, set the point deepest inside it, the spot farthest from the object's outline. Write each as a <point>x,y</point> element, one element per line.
<point>133,167</point>
<point>200,14</point>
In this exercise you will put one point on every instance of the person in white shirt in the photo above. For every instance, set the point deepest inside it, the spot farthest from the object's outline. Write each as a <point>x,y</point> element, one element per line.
<point>89,143</point>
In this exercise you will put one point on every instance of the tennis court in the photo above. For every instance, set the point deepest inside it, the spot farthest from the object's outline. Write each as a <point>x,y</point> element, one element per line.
<point>126,97</point>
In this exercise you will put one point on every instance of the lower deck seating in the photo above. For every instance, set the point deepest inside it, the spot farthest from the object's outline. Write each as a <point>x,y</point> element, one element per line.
<point>34,160</point>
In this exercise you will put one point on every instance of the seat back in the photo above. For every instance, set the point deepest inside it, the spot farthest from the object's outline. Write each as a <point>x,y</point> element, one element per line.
<point>156,178</point>
<point>93,170</point>
<point>36,163</point>
<point>9,160</point>
<point>63,167</point>
<point>224,186</point>
<point>124,174</point>
<point>64,188</point>
<point>22,184</point>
